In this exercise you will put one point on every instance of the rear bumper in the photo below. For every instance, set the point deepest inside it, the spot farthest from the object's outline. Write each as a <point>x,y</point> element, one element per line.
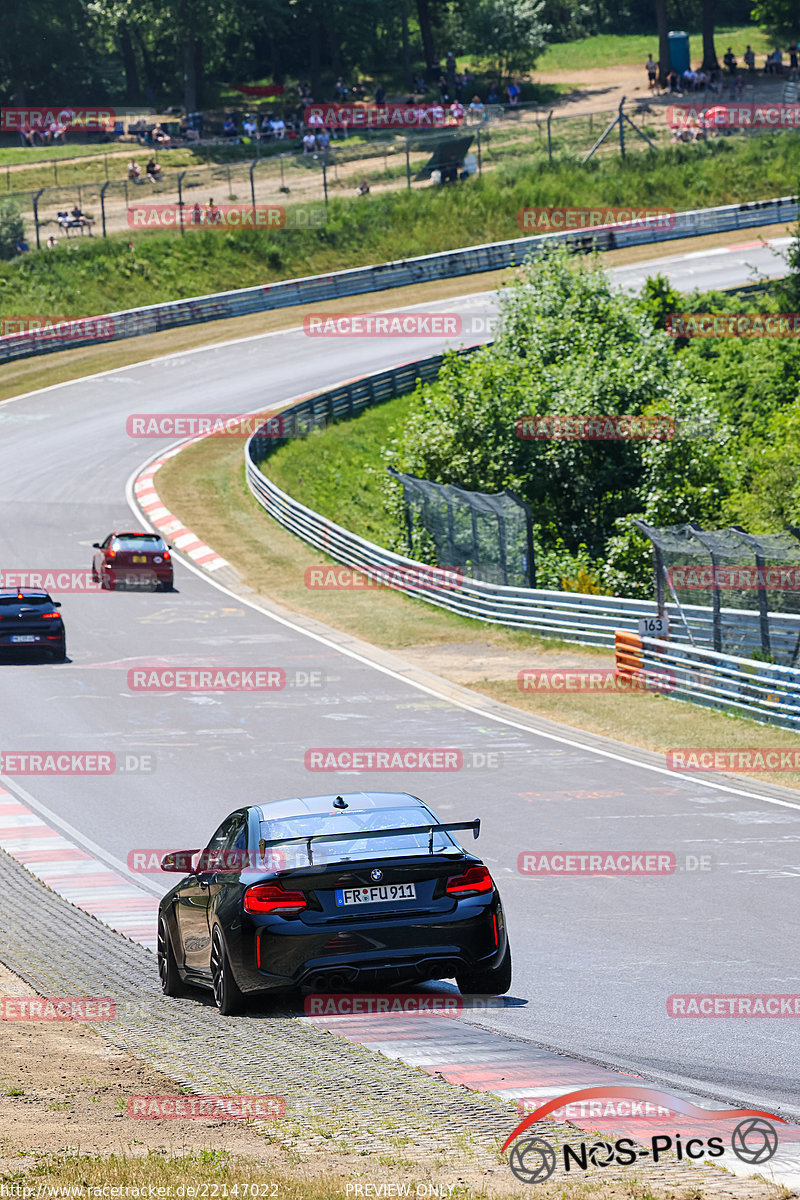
<point>139,577</point>
<point>371,954</point>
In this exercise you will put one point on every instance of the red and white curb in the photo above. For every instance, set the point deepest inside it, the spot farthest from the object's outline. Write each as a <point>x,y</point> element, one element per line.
<point>75,874</point>
<point>167,524</point>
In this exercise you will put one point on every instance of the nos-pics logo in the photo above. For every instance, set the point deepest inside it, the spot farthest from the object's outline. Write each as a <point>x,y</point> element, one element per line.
<point>533,1159</point>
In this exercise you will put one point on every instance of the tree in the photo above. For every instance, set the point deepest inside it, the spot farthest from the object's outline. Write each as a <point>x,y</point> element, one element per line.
<point>663,41</point>
<point>511,31</point>
<point>710,62</point>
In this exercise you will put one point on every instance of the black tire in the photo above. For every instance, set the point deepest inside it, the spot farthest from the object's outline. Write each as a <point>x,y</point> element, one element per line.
<point>95,576</point>
<point>227,997</point>
<point>59,655</point>
<point>171,982</point>
<point>495,981</point>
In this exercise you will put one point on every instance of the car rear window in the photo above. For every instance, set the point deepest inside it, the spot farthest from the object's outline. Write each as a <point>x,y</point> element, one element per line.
<point>355,847</point>
<point>146,542</point>
<point>16,600</point>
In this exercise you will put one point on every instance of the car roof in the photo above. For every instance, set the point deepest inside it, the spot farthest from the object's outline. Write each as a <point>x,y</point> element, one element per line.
<point>297,806</point>
<point>137,533</point>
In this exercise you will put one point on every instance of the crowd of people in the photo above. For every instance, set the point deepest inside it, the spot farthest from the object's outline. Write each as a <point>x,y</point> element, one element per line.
<point>690,80</point>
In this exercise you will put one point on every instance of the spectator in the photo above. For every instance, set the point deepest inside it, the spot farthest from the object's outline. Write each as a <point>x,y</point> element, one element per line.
<point>468,167</point>
<point>52,242</point>
<point>738,86</point>
<point>456,111</point>
<point>323,139</point>
<point>342,91</point>
<point>769,65</point>
<point>494,95</point>
<point>750,60</point>
<point>196,217</point>
<point>213,214</point>
<point>134,171</point>
<point>380,96</point>
<point>266,126</point>
<point>730,60</point>
<point>673,81</point>
<point>513,92</point>
<point>26,135</point>
<point>476,109</point>
<point>363,188</point>
<point>161,138</point>
<point>793,59</point>
<point>277,128</point>
<point>419,84</point>
<point>651,66</point>
<point>777,58</point>
<point>153,170</point>
<point>250,127</point>
<point>309,143</point>
<point>77,212</point>
<point>437,114</point>
<point>54,133</point>
<point>444,94</point>
<point>22,246</point>
<point>229,127</point>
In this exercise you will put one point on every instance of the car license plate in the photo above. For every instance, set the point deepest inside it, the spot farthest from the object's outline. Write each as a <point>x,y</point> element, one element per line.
<point>25,637</point>
<point>384,893</point>
<point>139,558</point>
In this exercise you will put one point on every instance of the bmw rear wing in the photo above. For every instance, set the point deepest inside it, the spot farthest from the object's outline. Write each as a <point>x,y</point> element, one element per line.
<point>355,835</point>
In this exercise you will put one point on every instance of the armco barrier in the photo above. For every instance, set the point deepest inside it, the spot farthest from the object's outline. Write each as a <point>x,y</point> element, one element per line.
<point>134,322</point>
<point>768,693</point>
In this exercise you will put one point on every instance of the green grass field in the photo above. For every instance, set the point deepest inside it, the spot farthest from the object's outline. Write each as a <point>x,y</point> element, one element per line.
<point>623,50</point>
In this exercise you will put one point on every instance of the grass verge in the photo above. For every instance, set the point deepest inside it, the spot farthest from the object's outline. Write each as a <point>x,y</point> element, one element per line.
<point>28,374</point>
<point>205,486</point>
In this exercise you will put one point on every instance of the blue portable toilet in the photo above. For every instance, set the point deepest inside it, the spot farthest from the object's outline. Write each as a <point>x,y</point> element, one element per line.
<point>679,57</point>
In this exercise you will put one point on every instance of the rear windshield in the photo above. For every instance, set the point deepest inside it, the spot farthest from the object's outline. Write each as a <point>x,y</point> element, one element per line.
<point>147,541</point>
<point>350,848</point>
<point>17,600</point>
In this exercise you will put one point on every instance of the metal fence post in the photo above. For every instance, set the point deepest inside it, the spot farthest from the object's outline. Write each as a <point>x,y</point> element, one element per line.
<point>621,129</point>
<point>325,181</point>
<point>549,139</point>
<point>180,199</point>
<point>103,205</point>
<point>36,214</point>
<point>408,164</point>
<point>480,172</point>
<point>253,166</point>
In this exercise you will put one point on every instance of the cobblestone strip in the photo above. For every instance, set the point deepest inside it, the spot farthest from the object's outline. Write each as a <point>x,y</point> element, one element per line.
<point>333,1089</point>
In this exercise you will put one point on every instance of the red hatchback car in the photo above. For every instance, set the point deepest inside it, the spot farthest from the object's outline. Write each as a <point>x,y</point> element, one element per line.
<point>132,560</point>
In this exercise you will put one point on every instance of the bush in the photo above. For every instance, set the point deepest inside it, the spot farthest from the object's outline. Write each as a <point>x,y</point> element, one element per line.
<point>12,228</point>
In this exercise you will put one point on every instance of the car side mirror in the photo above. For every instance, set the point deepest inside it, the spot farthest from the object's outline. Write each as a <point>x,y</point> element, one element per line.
<point>179,861</point>
<point>56,604</point>
<point>95,545</point>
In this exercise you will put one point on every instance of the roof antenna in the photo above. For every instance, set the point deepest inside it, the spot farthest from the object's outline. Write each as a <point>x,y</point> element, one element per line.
<point>340,802</point>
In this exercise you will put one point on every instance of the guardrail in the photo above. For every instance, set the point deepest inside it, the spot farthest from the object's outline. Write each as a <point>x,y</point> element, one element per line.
<point>493,256</point>
<point>723,681</point>
<point>765,692</point>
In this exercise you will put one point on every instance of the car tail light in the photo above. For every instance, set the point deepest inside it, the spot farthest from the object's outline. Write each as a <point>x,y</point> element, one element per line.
<point>111,552</point>
<point>271,897</point>
<point>475,881</point>
<point>165,555</point>
<point>50,616</point>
